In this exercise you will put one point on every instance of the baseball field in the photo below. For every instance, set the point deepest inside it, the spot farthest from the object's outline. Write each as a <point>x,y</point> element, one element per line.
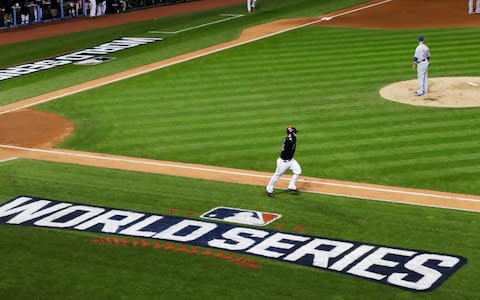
<point>188,114</point>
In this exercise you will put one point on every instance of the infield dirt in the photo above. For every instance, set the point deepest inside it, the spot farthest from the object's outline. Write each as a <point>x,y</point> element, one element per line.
<point>407,14</point>
<point>19,142</point>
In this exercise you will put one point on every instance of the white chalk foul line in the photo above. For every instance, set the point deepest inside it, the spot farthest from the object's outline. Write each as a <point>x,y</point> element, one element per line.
<point>393,191</point>
<point>231,17</point>
<point>397,202</point>
<point>8,159</point>
<point>246,173</point>
<point>355,10</point>
<point>138,161</point>
<point>137,73</point>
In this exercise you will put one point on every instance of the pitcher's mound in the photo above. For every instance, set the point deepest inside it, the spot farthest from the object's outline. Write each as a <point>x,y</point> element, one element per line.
<point>451,92</point>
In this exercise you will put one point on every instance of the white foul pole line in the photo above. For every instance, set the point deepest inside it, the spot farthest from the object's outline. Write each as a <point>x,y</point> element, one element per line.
<point>231,17</point>
<point>355,10</point>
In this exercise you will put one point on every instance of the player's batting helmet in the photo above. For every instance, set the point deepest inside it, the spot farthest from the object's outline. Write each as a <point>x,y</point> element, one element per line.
<point>291,129</point>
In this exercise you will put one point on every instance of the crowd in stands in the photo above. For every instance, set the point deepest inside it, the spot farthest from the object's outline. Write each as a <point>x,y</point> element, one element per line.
<point>23,12</point>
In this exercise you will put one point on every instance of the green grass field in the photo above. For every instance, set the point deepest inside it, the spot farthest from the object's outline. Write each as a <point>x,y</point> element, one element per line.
<point>42,82</point>
<point>51,264</point>
<point>230,109</point>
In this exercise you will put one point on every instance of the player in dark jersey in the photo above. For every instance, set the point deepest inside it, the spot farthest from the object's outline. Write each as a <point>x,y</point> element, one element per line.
<point>286,162</point>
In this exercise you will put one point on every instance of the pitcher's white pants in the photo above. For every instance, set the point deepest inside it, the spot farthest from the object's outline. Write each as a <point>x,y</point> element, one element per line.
<point>422,74</point>
<point>282,167</point>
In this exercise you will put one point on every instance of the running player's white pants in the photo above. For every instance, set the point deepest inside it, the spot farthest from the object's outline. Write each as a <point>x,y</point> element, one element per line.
<point>470,7</point>
<point>422,74</point>
<point>282,167</point>
<point>251,4</point>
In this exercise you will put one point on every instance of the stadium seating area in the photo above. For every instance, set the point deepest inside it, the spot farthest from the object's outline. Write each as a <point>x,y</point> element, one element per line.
<point>16,13</point>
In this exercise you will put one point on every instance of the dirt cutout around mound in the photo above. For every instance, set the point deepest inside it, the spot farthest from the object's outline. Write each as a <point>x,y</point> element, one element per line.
<point>20,140</point>
<point>31,128</point>
<point>447,92</point>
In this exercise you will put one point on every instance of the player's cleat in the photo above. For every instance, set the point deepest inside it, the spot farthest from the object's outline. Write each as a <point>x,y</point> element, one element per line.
<point>419,94</point>
<point>294,190</point>
<point>269,194</point>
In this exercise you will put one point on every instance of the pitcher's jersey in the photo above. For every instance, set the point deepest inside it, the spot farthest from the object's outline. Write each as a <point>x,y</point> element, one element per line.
<point>422,53</point>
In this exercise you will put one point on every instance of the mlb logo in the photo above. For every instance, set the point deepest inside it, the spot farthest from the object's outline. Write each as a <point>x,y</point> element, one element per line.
<point>241,216</point>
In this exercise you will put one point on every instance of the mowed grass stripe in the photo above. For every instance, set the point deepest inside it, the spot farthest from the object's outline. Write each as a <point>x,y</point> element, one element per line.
<point>402,141</point>
<point>364,137</point>
<point>364,128</point>
<point>443,151</point>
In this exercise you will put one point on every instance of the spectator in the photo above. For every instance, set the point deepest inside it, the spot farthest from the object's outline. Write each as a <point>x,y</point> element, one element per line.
<point>25,12</point>
<point>54,8</point>
<point>38,10</point>
<point>471,9</point>
<point>73,7</point>
<point>119,6</point>
<point>93,8</point>
<point>7,12</point>
<point>2,9</point>
<point>31,8</point>
<point>102,7</point>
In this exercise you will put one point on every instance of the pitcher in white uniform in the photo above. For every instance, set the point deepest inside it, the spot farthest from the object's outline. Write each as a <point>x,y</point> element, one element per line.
<point>421,61</point>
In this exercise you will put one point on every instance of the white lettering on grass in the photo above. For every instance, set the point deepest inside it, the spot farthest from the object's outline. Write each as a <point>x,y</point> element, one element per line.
<point>26,212</point>
<point>171,232</point>
<point>235,239</point>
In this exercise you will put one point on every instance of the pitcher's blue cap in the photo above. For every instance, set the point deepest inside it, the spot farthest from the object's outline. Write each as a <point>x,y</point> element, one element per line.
<point>421,38</point>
